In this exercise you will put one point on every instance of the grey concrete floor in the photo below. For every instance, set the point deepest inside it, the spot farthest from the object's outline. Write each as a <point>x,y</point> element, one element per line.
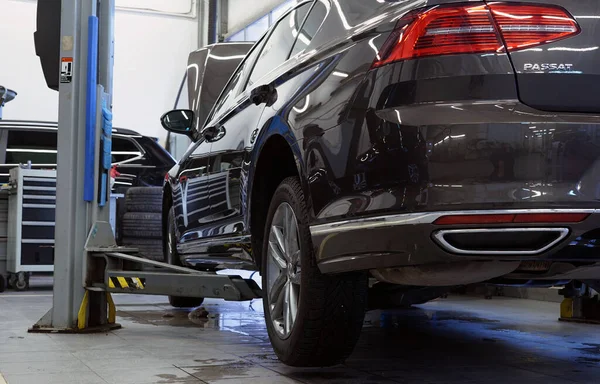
<point>454,340</point>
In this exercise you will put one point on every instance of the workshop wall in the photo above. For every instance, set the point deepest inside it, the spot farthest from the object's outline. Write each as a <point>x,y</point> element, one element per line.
<point>150,60</point>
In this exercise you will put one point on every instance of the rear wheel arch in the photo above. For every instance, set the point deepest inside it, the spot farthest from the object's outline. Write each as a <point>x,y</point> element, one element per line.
<point>264,180</point>
<point>167,203</point>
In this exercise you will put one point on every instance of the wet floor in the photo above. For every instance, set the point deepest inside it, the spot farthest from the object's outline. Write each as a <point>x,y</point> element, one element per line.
<point>454,340</point>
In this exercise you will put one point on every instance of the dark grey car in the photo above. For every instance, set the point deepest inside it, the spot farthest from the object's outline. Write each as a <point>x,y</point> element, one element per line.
<point>422,143</point>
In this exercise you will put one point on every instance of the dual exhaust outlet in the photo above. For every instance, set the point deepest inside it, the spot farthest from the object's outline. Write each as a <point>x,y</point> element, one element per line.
<point>529,240</point>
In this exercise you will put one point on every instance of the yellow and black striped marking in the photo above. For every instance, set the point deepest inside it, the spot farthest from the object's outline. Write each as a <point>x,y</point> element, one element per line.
<point>126,282</point>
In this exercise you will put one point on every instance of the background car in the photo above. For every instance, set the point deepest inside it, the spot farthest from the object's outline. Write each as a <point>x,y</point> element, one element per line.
<point>425,144</point>
<point>138,161</point>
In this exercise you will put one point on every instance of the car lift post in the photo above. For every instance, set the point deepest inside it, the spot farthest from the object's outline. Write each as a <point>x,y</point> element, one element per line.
<point>74,308</point>
<point>88,264</point>
<point>581,303</point>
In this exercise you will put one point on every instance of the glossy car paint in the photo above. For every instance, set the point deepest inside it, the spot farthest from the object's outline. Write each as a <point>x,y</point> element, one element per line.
<point>450,133</point>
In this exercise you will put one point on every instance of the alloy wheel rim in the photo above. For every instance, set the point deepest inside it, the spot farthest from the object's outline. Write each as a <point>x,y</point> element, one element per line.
<point>283,270</point>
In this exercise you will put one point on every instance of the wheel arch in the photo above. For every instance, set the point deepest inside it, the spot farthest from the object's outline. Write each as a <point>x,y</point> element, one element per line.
<point>277,146</point>
<point>167,203</point>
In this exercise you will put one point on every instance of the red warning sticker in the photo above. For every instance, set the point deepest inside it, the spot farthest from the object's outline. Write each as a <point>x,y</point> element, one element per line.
<point>66,70</point>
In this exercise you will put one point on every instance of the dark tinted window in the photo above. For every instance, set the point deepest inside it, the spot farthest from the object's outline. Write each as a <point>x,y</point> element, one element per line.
<point>309,29</point>
<point>39,147</point>
<point>229,93</point>
<point>124,149</point>
<point>279,44</point>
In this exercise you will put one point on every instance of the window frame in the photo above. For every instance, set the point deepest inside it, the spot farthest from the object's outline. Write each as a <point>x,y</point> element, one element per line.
<point>214,111</point>
<point>270,17</point>
<point>142,152</point>
<point>4,134</point>
<point>327,6</point>
<point>271,30</point>
<point>242,87</point>
<point>3,144</point>
<point>33,130</point>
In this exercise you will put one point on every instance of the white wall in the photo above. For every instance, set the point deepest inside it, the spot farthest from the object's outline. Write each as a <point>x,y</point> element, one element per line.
<point>151,53</point>
<point>20,68</point>
<point>243,12</point>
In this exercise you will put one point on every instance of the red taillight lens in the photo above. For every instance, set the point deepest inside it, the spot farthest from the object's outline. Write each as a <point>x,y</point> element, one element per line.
<point>550,217</point>
<point>474,219</point>
<point>440,31</point>
<point>523,25</point>
<point>478,28</point>
<point>521,218</point>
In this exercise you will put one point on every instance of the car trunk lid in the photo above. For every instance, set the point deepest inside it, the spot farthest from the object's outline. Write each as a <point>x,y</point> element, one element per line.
<point>557,74</point>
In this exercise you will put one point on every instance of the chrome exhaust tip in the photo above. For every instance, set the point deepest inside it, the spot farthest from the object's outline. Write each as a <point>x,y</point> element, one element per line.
<point>499,241</point>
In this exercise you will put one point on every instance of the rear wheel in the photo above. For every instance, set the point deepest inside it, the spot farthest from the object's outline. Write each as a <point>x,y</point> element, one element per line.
<point>172,257</point>
<point>312,319</point>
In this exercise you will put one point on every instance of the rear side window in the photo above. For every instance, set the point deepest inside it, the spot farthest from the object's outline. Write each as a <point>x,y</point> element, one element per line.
<point>310,28</point>
<point>229,93</point>
<point>39,147</point>
<point>124,149</point>
<point>278,46</point>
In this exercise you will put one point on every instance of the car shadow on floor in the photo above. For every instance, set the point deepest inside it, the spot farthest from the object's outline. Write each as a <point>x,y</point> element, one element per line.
<point>440,343</point>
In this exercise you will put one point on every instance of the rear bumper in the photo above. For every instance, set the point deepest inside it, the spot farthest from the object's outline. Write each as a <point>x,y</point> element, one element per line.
<point>399,240</point>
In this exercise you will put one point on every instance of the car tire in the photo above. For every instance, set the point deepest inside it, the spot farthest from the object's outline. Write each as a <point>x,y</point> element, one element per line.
<point>144,225</point>
<point>172,257</point>
<point>151,249</point>
<point>144,199</point>
<point>331,308</point>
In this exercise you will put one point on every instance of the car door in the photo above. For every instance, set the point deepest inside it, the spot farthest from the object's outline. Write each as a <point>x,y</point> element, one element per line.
<point>236,126</point>
<point>209,70</point>
<point>190,192</point>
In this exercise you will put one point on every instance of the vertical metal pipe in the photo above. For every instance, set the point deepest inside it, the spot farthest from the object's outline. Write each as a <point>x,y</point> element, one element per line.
<point>213,20</point>
<point>106,47</point>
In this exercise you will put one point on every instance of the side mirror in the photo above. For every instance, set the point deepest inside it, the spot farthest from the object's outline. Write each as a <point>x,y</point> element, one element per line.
<point>179,121</point>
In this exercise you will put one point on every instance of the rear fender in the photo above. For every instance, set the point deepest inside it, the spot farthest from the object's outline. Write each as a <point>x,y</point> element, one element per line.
<point>275,126</point>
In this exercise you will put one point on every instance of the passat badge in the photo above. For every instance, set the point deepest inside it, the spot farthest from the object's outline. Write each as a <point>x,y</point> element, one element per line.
<point>543,67</point>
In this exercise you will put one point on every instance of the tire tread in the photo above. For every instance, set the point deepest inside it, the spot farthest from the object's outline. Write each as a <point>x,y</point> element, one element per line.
<point>335,310</point>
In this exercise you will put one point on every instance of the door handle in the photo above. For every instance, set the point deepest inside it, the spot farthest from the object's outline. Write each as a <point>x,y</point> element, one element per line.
<point>264,94</point>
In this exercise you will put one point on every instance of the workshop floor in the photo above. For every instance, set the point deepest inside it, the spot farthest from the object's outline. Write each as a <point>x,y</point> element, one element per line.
<point>455,340</point>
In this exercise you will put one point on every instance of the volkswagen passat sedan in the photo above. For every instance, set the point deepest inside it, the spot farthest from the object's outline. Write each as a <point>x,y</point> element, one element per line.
<point>422,143</point>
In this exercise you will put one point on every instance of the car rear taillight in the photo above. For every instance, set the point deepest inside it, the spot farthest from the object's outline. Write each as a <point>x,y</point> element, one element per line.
<point>524,25</point>
<point>475,28</point>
